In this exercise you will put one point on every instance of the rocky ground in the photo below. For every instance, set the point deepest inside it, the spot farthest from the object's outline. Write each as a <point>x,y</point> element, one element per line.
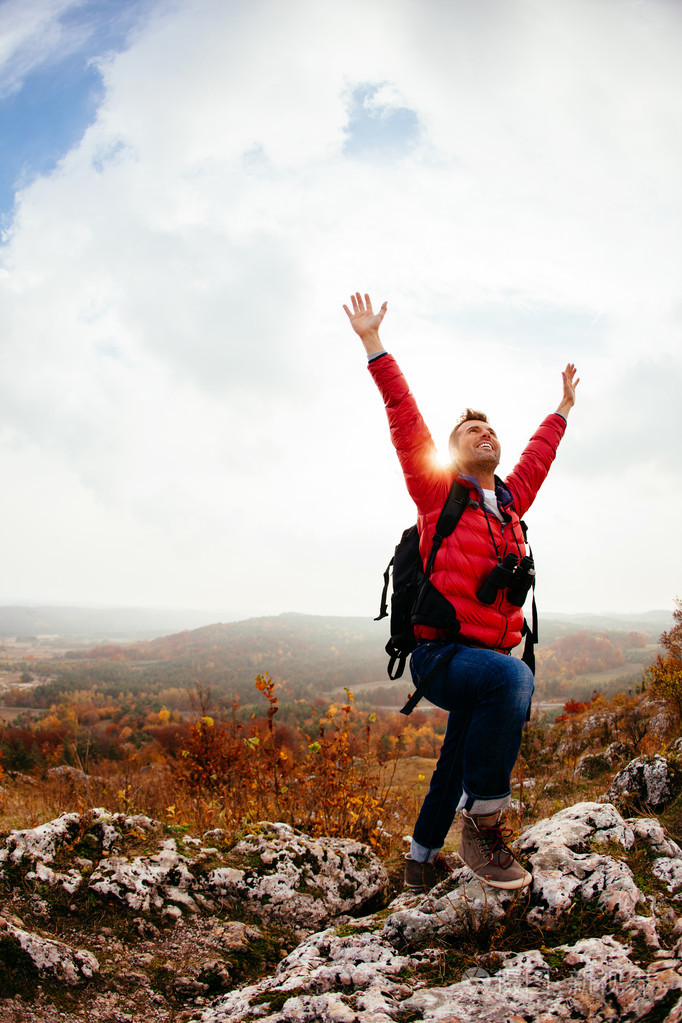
<point>107,917</point>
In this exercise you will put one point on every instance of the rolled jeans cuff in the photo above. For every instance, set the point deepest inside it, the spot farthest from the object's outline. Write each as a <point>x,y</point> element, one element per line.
<point>421,853</point>
<point>478,806</point>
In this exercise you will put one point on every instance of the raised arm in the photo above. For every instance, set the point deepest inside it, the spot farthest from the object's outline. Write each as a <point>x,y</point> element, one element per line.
<point>530,471</point>
<point>571,381</point>
<point>409,433</point>
<point>365,322</point>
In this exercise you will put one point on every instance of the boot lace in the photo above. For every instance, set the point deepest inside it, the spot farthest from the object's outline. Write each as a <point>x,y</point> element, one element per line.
<point>493,843</point>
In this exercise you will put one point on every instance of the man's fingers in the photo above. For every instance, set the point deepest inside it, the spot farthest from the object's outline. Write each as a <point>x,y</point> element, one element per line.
<point>361,306</point>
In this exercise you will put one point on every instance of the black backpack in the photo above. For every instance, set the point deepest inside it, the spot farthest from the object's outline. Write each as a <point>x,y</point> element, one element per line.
<point>416,601</point>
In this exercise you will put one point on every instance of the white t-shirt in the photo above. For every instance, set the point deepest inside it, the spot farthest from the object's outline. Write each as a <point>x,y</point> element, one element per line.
<point>490,502</point>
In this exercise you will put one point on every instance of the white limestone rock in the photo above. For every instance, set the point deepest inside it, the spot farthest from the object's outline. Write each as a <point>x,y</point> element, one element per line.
<point>460,905</point>
<point>618,753</point>
<point>281,875</point>
<point>161,882</point>
<point>73,775</point>
<point>565,857</point>
<point>40,844</point>
<point>52,959</point>
<point>650,831</point>
<point>43,844</point>
<point>652,781</point>
<point>328,977</point>
<point>598,982</point>
<point>575,855</point>
<point>670,872</point>
<point>578,855</point>
<point>367,970</point>
<point>293,879</point>
<point>361,979</point>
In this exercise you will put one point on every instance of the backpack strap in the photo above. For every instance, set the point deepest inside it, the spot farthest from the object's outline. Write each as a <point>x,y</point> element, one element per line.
<point>455,503</point>
<point>425,683</point>
<point>451,512</point>
<point>383,609</point>
<point>529,631</point>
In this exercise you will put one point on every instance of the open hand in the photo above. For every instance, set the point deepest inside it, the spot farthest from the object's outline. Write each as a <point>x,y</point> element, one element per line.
<point>571,381</point>
<point>363,319</point>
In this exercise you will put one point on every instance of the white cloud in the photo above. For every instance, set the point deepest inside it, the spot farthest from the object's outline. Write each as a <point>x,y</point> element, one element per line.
<point>30,34</point>
<point>171,319</point>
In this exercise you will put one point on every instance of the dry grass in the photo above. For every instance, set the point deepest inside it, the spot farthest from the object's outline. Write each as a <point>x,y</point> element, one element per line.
<point>546,779</point>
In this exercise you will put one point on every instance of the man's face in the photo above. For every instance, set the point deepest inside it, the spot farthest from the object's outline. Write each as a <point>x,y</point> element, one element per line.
<point>477,447</point>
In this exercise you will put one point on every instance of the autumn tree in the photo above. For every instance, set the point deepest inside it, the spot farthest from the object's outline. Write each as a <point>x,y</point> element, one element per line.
<point>663,678</point>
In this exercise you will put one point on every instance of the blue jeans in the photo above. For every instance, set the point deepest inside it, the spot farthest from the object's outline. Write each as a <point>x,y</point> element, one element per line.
<point>487,695</point>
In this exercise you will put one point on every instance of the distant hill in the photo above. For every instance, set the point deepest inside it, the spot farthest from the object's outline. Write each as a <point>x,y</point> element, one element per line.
<point>315,654</point>
<point>91,624</point>
<point>653,623</point>
<point>77,625</point>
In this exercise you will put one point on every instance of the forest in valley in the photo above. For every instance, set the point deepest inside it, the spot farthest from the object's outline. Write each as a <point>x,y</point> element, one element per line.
<point>99,703</point>
<point>292,717</point>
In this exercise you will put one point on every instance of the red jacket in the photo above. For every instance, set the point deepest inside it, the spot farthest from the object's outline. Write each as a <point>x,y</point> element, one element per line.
<point>466,557</point>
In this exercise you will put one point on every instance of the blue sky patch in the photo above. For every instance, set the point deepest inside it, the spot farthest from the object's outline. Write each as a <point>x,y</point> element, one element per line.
<point>533,325</point>
<point>378,126</point>
<point>43,121</point>
<point>43,117</point>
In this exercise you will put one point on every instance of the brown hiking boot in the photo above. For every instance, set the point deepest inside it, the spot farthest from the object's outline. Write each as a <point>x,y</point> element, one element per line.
<point>423,877</point>
<point>484,850</point>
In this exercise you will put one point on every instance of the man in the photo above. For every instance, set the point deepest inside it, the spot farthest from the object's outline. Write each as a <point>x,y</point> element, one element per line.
<point>486,692</point>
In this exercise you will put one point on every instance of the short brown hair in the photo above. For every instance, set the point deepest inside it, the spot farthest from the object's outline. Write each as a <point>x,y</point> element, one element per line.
<point>468,414</point>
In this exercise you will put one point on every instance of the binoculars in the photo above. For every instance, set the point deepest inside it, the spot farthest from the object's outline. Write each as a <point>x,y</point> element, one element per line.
<point>512,575</point>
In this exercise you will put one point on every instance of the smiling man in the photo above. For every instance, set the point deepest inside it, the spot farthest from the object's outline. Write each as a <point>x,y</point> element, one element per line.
<point>486,692</point>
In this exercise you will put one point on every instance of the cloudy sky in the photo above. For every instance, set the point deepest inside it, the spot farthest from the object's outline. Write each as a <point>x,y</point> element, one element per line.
<point>190,190</point>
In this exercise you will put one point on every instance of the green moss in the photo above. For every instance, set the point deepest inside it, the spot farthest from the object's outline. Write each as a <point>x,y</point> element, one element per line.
<point>610,847</point>
<point>640,859</point>
<point>449,967</point>
<point>252,861</point>
<point>260,957</point>
<point>275,999</point>
<point>204,865</point>
<point>555,959</point>
<point>586,920</point>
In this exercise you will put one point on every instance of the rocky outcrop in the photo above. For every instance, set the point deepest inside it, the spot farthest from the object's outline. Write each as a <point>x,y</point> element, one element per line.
<point>281,874</point>
<point>651,782</point>
<point>282,927</point>
<point>52,960</point>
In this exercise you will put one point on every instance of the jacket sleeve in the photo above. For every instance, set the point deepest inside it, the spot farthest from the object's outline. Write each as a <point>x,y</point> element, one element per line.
<point>531,470</point>
<point>426,481</point>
